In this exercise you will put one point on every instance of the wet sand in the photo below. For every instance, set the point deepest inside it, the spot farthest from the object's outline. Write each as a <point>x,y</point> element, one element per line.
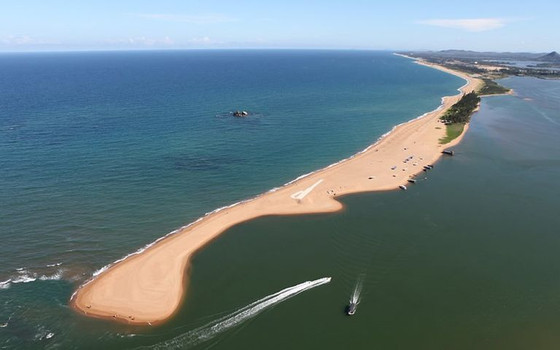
<point>149,287</point>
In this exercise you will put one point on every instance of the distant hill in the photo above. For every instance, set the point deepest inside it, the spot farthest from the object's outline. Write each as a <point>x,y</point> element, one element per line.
<point>550,57</point>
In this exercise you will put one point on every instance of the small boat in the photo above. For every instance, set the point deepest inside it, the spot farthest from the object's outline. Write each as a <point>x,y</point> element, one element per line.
<point>351,309</point>
<point>402,187</point>
<point>412,181</point>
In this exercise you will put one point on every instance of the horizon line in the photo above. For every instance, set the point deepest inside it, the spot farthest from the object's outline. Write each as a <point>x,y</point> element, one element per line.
<point>248,49</point>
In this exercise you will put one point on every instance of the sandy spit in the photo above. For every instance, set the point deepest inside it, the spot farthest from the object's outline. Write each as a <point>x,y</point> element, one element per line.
<point>148,288</point>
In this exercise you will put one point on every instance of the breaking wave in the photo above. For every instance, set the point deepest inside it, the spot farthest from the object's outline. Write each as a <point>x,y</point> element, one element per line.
<point>25,276</point>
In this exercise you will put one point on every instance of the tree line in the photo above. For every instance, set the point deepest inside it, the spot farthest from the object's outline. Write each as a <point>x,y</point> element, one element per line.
<point>461,111</point>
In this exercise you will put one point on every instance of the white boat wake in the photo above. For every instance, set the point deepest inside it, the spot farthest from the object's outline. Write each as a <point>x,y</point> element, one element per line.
<point>355,298</point>
<point>210,330</point>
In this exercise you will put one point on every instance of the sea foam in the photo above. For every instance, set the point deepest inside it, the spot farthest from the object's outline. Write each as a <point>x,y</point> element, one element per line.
<point>23,275</point>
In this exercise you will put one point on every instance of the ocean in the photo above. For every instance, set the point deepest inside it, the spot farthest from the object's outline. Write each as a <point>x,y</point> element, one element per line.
<point>102,153</point>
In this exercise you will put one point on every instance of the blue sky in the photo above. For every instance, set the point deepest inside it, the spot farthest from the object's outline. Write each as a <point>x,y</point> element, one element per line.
<point>36,25</point>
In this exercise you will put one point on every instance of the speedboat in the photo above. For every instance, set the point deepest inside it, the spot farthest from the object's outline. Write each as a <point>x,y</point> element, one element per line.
<point>351,309</point>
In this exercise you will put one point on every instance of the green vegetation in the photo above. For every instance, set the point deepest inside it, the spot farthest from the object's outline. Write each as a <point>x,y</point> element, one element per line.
<point>461,111</point>
<point>453,131</point>
<point>490,87</point>
<point>458,115</point>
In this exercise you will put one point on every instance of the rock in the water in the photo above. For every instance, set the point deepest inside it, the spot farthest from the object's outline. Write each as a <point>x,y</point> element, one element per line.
<point>240,113</point>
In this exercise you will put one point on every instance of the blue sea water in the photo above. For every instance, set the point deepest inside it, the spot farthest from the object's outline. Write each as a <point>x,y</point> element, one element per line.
<point>102,153</point>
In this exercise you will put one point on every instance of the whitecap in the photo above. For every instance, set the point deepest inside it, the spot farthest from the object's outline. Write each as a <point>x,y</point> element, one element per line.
<point>6,284</point>
<point>55,277</point>
<point>101,270</point>
<point>25,278</point>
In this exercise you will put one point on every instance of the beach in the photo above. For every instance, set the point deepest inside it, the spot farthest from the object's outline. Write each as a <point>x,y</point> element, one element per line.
<point>149,287</point>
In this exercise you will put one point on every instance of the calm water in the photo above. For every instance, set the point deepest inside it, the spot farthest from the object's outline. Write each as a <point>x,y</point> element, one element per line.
<point>532,64</point>
<point>102,153</point>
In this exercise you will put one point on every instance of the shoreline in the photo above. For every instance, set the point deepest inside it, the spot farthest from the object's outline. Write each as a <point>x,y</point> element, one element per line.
<point>148,286</point>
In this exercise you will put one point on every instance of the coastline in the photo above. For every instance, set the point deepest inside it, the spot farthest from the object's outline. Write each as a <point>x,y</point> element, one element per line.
<point>510,92</point>
<point>148,286</point>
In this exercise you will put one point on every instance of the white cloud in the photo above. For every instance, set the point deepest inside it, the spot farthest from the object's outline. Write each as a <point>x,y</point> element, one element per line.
<point>194,19</point>
<point>142,41</point>
<point>205,40</point>
<point>471,25</point>
<point>16,40</point>
<point>23,40</point>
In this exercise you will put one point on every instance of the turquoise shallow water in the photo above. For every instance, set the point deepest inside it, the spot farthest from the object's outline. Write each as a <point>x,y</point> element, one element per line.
<point>105,159</point>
